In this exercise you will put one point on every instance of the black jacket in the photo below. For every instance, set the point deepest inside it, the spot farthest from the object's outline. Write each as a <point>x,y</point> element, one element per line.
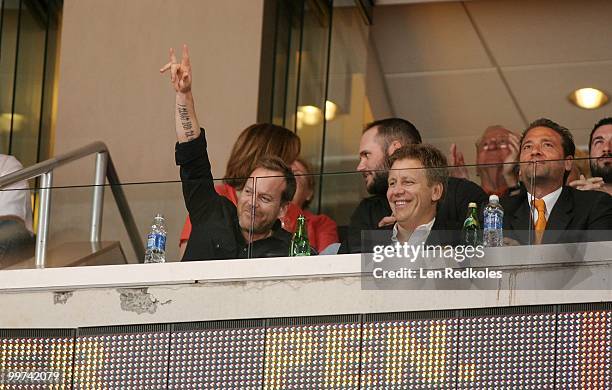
<point>452,210</point>
<point>577,216</point>
<point>216,233</point>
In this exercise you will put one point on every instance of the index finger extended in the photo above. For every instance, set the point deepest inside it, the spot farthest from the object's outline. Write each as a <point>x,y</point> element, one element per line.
<point>172,55</point>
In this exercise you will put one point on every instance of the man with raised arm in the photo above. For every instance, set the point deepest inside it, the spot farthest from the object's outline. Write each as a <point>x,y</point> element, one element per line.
<point>220,229</point>
<point>496,159</point>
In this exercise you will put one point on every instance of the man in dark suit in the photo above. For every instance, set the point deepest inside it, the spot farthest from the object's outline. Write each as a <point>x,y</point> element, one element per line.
<point>546,211</point>
<point>378,141</point>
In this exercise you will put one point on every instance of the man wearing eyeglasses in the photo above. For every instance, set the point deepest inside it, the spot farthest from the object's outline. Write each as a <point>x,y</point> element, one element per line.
<point>496,155</point>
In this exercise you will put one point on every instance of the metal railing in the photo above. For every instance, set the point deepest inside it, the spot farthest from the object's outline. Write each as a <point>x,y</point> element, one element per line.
<point>104,170</point>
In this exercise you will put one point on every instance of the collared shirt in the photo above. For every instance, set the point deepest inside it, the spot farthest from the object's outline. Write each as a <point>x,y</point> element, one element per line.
<point>549,200</point>
<point>451,210</point>
<point>419,235</point>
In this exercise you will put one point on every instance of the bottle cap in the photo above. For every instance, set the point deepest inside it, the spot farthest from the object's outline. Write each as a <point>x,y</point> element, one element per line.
<point>472,204</point>
<point>493,198</point>
<point>158,215</point>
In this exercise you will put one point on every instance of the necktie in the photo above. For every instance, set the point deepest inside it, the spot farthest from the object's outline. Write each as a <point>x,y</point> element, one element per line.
<point>541,223</point>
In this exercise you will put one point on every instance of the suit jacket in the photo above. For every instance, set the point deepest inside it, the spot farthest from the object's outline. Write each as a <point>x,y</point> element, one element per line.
<point>577,216</point>
<point>452,210</point>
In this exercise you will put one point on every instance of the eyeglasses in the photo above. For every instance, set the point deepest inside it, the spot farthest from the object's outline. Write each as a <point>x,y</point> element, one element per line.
<point>493,143</point>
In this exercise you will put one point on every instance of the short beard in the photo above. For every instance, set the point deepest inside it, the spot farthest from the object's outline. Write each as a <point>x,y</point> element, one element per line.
<point>604,172</point>
<point>379,184</point>
<point>256,229</point>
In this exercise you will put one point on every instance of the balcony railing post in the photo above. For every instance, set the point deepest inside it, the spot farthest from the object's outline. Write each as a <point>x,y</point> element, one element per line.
<point>44,208</point>
<point>97,203</point>
<point>104,165</point>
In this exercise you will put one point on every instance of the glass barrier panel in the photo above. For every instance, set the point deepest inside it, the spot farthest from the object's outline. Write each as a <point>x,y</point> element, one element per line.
<point>312,108</point>
<point>8,50</point>
<point>405,205</point>
<point>28,86</point>
<point>17,239</point>
<point>322,231</point>
<point>351,83</point>
<point>220,220</point>
<point>341,194</point>
<point>286,107</point>
<point>496,247</point>
<point>70,223</point>
<point>287,44</point>
<point>215,233</point>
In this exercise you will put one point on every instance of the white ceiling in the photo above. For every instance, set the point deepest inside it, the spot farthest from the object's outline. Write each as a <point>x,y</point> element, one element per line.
<point>454,68</point>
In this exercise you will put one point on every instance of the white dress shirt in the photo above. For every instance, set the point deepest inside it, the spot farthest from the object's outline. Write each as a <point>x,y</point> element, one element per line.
<point>418,236</point>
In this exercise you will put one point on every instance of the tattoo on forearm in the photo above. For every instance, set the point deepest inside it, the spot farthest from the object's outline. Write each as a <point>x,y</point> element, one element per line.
<point>185,121</point>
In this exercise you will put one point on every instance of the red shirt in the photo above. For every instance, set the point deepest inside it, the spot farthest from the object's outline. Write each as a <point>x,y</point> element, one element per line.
<point>322,230</point>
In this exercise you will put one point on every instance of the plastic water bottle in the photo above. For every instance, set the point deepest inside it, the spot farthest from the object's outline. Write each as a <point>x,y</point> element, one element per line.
<point>493,233</point>
<point>156,241</point>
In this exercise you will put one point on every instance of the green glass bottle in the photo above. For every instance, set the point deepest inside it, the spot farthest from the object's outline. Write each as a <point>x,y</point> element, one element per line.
<point>299,243</point>
<point>471,234</point>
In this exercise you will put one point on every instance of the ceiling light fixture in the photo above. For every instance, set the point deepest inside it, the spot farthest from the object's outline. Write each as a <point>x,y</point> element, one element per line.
<point>312,115</point>
<point>588,98</point>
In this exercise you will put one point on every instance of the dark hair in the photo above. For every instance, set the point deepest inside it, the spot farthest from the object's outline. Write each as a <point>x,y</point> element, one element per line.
<point>603,122</point>
<point>255,142</point>
<point>273,163</point>
<point>567,139</point>
<point>395,129</point>
<point>430,157</point>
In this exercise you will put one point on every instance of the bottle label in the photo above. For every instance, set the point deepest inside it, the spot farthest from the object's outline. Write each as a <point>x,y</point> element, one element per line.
<point>156,241</point>
<point>492,222</point>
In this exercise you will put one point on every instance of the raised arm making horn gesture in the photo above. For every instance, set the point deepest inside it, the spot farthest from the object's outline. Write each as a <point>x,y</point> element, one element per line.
<point>187,126</point>
<point>220,228</point>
